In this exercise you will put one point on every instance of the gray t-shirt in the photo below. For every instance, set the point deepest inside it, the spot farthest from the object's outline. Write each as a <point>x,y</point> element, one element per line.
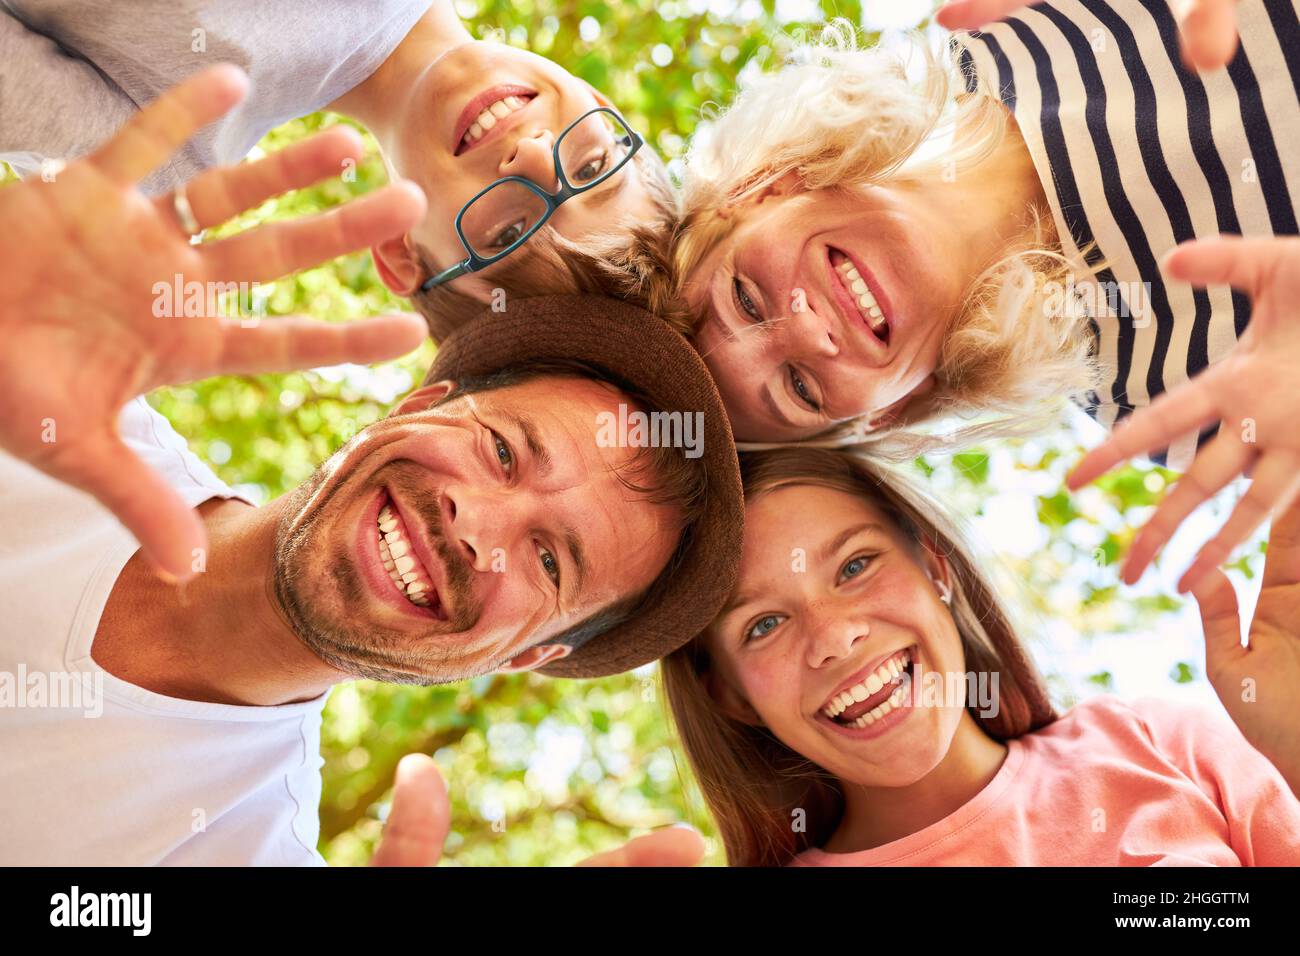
<point>72,71</point>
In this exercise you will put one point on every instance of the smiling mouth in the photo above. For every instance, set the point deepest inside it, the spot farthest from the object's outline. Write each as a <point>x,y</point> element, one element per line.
<point>875,695</point>
<point>408,575</point>
<point>490,115</point>
<point>857,289</point>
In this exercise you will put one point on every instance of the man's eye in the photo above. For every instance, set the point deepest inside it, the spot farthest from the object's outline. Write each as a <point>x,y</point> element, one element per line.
<point>550,565</point>
<point>800,389</point>
<point>505,457</point>
<point>509,235</point>
<point>592,168</point>
<point>744,302</point>
<point>764,626</point>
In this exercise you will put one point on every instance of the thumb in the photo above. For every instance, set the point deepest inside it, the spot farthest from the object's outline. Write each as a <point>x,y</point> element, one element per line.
<point>1219,617</point>
<point>169,530</point>
<point>1209,30</point>
<point>669,846</point>
<point>419,817</point>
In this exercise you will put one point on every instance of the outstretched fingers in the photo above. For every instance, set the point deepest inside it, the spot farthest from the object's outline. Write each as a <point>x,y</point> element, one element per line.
<point>150,137</point>
<point>279,248</point>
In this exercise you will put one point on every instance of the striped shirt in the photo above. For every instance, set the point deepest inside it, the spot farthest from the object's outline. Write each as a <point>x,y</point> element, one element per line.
<point>1137,154</point>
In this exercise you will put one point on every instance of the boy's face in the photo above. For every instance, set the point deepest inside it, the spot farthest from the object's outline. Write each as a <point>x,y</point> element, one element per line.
<point>440,143</point>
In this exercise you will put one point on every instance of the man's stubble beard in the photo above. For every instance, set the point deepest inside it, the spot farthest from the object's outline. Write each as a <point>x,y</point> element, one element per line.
<point>359,652</point>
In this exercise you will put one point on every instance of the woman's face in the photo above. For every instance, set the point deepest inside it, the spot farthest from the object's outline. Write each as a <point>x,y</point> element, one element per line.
<point>831,592</point>
<point>825,305</point>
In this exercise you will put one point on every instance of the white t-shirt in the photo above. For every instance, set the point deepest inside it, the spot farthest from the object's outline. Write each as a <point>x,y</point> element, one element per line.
<point>118,775</point>
<point>73,71</point>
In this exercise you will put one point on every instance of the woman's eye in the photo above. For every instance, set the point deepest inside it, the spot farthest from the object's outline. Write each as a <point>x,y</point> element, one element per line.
<point>743,300</point>
<point>509,235</point>
<point>800,389</point>
<point>763,626</point>
<point>855,567</point>
<point>550,565</point>
<point>592,168</point>
<point>505,457</point>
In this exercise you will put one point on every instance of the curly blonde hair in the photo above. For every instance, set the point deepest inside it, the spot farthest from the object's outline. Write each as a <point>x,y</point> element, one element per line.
<point>842,115</point>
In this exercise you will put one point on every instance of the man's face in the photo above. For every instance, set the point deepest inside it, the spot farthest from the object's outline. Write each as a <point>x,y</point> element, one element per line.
<point>502,523</point>
<point>442,142</point>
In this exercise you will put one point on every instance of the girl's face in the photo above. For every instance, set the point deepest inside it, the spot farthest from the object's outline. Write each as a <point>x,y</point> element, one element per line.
<point>822,306</point>
<point>833,598</point>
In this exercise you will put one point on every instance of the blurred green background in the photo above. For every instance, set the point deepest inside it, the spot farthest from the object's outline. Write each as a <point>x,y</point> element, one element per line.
<point>548,771</point>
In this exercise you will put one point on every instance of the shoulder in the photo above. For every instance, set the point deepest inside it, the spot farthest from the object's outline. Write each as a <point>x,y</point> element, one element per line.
<point>1178,730</point>
<point>1153,719</point>
<point>152,437</point>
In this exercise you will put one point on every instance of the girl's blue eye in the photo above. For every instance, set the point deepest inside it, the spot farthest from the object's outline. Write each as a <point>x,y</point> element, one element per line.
<point>855,567</point>
<point>763,626</point>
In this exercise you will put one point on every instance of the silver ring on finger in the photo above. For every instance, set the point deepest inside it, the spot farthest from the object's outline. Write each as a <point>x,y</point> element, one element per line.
<point>185,213</point>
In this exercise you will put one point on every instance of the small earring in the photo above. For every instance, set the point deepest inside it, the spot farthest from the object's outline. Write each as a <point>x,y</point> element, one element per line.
<point>945,592</point>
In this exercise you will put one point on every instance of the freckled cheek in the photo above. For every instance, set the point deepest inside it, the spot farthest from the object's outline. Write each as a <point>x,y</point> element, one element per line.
<point>904,602</point>
<point>771,686</point>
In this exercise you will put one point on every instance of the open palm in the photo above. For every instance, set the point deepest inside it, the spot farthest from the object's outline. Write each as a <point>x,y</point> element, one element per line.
<point>1250,394</point>
<point>84,258</point>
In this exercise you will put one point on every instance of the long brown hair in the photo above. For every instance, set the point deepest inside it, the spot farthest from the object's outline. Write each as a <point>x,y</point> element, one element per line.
<point>753,783</point>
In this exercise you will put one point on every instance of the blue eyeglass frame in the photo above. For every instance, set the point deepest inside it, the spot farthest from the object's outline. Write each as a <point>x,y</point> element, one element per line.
<point>473,262</point>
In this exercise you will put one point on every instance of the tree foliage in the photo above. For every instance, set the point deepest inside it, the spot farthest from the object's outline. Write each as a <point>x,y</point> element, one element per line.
<point>546,771</point>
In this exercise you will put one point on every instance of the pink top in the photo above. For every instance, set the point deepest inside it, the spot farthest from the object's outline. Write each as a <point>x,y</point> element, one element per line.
<point>1151,783</point>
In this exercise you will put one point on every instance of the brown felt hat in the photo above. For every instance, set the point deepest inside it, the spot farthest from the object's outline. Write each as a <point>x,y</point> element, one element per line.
<point>646,353</point>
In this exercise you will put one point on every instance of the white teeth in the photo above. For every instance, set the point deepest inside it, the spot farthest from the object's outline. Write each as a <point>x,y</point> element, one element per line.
<point>489,117</point>
<point>867,304</point>
<point>894,701</point>
<point>884,675</point>
<point>394,553</point>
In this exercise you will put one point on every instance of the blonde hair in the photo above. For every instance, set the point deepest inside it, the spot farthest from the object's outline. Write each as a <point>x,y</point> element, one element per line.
<point>750,780</point>
<point>840,116</point>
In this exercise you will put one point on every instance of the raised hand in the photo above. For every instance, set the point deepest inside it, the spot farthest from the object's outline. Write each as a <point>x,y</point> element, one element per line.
<point>1208,27</point>
<point>1259,682</point>
<point>82,258</point>
<point>1251,393</point>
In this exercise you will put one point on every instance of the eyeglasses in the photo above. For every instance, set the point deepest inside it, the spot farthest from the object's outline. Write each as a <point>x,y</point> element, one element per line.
<point>505,215</point>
